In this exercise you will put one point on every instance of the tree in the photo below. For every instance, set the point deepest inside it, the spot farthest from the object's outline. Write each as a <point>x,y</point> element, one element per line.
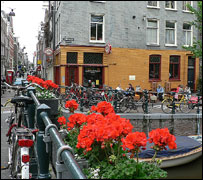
<point>196,49</point>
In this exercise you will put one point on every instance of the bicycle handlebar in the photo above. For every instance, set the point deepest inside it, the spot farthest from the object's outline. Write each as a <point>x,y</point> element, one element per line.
<point>22,88</point>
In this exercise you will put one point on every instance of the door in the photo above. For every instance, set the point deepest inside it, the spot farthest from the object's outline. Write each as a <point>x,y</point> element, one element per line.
<point>71,75</point>
<point>191,73</point>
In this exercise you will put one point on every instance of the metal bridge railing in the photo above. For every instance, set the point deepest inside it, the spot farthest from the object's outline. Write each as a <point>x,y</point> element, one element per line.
<point>48,132</point>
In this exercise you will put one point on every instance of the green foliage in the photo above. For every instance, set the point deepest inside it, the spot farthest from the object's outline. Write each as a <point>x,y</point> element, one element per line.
<point>126,169</point>
<point>196,49</point>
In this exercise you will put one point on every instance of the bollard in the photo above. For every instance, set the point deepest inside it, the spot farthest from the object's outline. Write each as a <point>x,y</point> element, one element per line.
<point>81,100</point>
<point>173,103</point>
<point>198,96</point>
<point>146,102</point>
<point>43,156</point>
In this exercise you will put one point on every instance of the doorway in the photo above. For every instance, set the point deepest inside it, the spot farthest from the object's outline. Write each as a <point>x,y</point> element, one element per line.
<point>71,75</point>
<point>191,73</point>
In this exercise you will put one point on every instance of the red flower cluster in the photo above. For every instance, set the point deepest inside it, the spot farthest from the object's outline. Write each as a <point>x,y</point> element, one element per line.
<point>62,120</point>
<point>134,141</point>
<point>72,105</point>
<point>104,108</point>
<point>161,138</point>
<point>76,120</point>
<point>103,129</point>
<point>45,84</point>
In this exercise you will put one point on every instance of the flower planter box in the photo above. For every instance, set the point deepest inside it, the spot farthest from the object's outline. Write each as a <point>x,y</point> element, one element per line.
<point>52,103</point>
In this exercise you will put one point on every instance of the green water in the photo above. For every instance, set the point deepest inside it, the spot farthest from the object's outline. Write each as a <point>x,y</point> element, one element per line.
<point>191,170</point>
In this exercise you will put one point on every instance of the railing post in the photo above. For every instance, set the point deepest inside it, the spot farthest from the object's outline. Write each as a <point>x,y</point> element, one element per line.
<point>43,156</point>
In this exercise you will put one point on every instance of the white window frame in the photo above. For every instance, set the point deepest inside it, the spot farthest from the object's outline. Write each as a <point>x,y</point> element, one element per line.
<point>103,28</point>
<point>175,9</point>
<point>157,20</point>
<point>153,7</point>
<point>174,30</point>
<point>185,40</point>
<point>185,10</point>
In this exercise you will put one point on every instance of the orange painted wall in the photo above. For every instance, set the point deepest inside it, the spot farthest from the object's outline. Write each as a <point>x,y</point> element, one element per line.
<point>123,62</point>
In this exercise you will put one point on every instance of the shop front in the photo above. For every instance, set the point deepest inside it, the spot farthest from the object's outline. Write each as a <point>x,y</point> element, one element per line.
<point>93,76</point>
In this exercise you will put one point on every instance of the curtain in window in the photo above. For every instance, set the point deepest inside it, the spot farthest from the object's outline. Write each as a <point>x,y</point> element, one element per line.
<point>152,32</point>
<point>170,36</point>
<point>151,36</point>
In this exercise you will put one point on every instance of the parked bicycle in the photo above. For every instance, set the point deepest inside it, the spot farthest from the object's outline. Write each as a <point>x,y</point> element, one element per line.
<point>21,137</point>
<point>170,103</point>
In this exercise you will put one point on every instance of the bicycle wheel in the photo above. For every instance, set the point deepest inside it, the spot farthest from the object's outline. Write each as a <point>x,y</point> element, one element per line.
<point>166,106</point>
<point>150,107</point>
<point>186,107</point>
<point>16,162</point>
<point>123,105</point>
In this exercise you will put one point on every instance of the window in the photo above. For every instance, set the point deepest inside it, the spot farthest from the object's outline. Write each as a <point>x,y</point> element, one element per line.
<point>187,32</point>
<point>154,67</point>
<point>170,36</point>
<point>93,58</point>
<point>170,5</point>
<point>152,32</point>
<point>153,4</point>
<point>174,68</point>
<point>72,57</point>
<point>96,29</point>
<point>185,8</point>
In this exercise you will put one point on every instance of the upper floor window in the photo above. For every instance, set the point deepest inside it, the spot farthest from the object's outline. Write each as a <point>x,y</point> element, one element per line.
<point>97,28</point>
<point>154,4</point>
<point>170,5</point>
<point>174,68</point>
<point>185,8</point>
<point>154,67</point>
<point>187,31</point>
<point>170,36</point>
<point>152,31</point>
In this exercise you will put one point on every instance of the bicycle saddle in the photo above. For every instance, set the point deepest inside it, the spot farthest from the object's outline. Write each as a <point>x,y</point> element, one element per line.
<point>24,99</point>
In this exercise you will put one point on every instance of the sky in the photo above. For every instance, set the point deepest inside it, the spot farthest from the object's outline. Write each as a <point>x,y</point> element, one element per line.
<point>26,22</point>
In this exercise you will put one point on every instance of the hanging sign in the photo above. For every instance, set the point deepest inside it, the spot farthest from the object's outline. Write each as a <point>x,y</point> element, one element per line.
<point>48,51</point>
<point>108,48</point>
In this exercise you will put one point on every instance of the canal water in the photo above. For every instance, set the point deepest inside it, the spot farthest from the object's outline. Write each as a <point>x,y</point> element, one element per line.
<point>191,170</point>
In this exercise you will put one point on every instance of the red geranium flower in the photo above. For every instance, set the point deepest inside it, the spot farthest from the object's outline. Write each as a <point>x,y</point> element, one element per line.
<point>134,141</point>
<point>62,120</point>
<point>72,105</point>
<point>161,138</point>
<point>104,108</point>
<point>76,120</point>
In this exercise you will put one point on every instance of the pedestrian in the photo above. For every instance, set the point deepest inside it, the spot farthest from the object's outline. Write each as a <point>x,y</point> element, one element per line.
<point>119,88</point>
<point>131,89</point>
<point>160,92</point>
